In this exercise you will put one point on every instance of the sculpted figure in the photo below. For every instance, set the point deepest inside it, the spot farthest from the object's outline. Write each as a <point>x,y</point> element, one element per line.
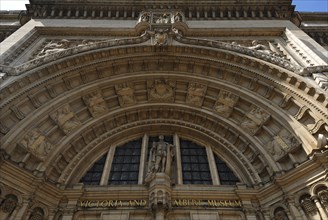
<point>260,47</point>
<point>96,104</point>
<point>255,118</point>
<point>177,16</point>
<point>145,17</point>
<point>225,103</point>
<point>125,95</point>
<point>66,119</point>
<point>160,158</point>
<point>195,94</point>
<point>275,148</point>
<point>36,144</point>
<point>54,47</point>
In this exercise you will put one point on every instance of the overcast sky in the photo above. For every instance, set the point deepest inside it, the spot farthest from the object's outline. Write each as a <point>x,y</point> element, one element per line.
<point>301,5</point>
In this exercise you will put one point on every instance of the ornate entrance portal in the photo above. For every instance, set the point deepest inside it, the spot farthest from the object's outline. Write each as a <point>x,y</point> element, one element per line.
<point>163,111</point>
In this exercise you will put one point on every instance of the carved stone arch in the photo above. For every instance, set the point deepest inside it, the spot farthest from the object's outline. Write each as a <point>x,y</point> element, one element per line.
<point>37,211</point>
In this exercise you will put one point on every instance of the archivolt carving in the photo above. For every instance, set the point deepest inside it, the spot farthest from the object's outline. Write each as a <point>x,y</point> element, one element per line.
<point>161,90</point>
<point>254,119</point>
<point>66,119</point>
<point>96,104</point>
<point>125,94</point>
<point>37,144</point>
<point>225,103</point>
<point>195,94</point>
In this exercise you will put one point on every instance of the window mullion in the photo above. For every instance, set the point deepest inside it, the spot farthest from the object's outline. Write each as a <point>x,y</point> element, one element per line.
<point>213,168</point>
<point>143,159</point>
<point>108,166</point>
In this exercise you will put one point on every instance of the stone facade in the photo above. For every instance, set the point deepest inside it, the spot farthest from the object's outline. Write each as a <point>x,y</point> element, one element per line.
<point>241,80</point>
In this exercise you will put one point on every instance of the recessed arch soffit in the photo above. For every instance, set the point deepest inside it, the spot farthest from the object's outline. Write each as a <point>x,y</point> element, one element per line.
<point>222,90</point>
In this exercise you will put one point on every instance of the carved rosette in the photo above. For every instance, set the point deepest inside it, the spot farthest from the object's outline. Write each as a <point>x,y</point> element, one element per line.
<point>96,104</point>
<point>225,103</point>
<point>161,90</point>
<point>66,119</point>
<point>195,94</point>
<point>254,119</point>
<point>125,93</point>
<point>37,144</point>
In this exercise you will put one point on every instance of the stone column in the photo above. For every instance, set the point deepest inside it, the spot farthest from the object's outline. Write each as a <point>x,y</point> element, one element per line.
<point>319,207</point>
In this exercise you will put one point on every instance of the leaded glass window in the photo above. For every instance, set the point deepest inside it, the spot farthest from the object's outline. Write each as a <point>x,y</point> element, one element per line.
<point>195,168</point>
<point>93,176</point>
<point>226,176</point>
<point>125,165</point>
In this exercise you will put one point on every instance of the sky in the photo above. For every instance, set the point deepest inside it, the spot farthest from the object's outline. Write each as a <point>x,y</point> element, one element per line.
<point>301,5</point>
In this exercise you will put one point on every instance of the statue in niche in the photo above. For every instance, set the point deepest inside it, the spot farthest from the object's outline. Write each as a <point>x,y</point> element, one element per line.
<point>125,95</point>
<point>160,158</point>
<point>225,103</point>
<point>96,104</point>
<point>9,204</point>
<point>162,90</point>
<point>195,94</point>
<point>260,47</point>
<point>280,215</point>
<point>36,144</point>
<point>66,119</point>
<point>53,47</point>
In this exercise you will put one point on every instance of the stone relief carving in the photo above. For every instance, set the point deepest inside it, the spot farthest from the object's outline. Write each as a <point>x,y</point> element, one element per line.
<point>160,37</point>
<point>96,104</point>
<point>280,145</point>
<point>254,119</point>
<point>145,16</point>
<point>125,94</point>
<point>161,90</point>
<point>256,45</point>
<point>161,18</point>
<point>160,158</point>
<point>53,47</point>
<point>195,94</point>
<point>37,144</point>
<point>225,103</point>
<point>66,119</point>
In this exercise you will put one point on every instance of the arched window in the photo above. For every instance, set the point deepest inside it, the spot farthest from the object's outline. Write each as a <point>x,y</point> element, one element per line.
<point>93,176</point>
<point>226,176</point>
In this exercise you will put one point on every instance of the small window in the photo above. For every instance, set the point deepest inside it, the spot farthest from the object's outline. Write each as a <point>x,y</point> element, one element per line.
<point>93,176</point>
<point>195,168</point>
<point>125,166</point>
<point>227,177</point>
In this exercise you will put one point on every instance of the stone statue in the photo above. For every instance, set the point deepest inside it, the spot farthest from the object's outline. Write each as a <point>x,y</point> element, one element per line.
<point>54,47</point>
<point>160,158</point>
<point>260,47</point>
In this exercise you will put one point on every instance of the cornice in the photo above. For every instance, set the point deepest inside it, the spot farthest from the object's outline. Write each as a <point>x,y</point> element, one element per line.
<point>194,10</point>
